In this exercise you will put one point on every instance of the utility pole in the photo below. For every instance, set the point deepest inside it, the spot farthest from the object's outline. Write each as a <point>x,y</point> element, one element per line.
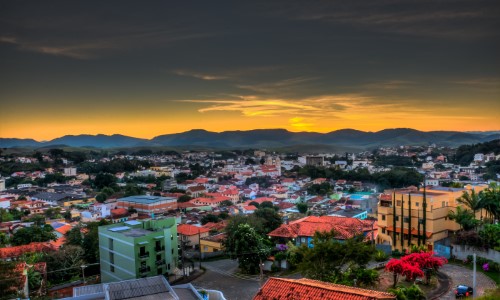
<point>474,277</point>
<point>261,267</point>
<point>83,273</point>
<point>199,245</point>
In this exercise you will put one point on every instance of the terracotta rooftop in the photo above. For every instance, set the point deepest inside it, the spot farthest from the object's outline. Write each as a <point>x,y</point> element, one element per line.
<point>344,227</point>
<point>216,238</point>
<point>16,251</point>
<point>186,229</point>
<point>284,288</point>
<point>63,229</point>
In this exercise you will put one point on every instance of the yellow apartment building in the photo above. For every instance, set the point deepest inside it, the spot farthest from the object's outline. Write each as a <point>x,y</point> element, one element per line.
<point>212,243</point>
<point>416,217</point>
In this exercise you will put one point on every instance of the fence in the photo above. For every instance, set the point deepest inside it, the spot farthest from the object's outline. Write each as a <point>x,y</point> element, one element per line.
<point>462,251</point>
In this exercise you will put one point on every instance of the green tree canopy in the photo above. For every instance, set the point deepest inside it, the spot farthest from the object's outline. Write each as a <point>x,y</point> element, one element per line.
<point>324,261</point>
<point>35,233</point>
<point>248,247</point>
<point>270,218</point>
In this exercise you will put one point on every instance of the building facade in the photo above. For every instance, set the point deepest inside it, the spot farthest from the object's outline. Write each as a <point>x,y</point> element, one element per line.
<point>148,204</point>
<point>417,217</point>
<point>135,249</point>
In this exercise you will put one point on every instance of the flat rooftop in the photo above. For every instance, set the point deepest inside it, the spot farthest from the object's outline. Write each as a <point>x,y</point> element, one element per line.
<point>145,199</point>
<point>348,213</point>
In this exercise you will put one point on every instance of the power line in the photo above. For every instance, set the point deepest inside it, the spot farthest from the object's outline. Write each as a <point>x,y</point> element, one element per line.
<point>53,271</point>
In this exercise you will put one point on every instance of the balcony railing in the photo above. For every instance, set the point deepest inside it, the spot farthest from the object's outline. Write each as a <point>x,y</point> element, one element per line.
<point>160,262</point>
<point>144,255</point>
<point>143,270</point>
<point>160,248</point>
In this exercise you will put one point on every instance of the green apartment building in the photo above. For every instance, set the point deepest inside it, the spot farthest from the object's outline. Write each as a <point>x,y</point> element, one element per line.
<point>136,249</point>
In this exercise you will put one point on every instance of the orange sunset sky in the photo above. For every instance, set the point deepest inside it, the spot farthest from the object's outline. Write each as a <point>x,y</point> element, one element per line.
<point>145,70</point>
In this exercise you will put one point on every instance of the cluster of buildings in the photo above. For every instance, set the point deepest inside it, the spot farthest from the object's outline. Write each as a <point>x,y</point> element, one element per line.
<point>151,233</point>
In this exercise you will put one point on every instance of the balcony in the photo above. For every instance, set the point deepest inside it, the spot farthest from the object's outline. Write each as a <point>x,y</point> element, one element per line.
<point>161,248</point>
<point>160,262</point>
<point>144,270</point>
<point>144,255</point>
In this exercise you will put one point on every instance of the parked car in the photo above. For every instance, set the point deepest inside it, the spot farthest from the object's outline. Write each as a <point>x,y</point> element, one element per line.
<point>463,291</point>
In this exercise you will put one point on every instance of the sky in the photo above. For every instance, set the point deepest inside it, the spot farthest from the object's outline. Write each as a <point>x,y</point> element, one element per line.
<point>146,68</point>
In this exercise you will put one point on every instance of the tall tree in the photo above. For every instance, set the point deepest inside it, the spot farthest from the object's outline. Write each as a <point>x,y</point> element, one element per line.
<point>271,219</point>
<point>471,200</point>
<point>464,217</point>
<point>248,247</point>
<point>491,198</point>
<point>325,260</point>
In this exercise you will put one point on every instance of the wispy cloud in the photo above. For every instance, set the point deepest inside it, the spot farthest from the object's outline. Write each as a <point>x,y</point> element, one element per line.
<point>96,46</point>
<point>199,75</point>
<point>276,87</point>
<point>417,18</point>
<point>390,84</point>
<point>482,83</point>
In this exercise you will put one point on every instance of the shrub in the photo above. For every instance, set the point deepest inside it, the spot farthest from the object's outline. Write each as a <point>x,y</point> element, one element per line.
<point>380,256</point>
<point>396,253</point>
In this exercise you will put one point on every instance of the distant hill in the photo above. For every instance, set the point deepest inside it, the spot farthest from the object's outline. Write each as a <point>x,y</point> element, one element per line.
<point>268,138</point>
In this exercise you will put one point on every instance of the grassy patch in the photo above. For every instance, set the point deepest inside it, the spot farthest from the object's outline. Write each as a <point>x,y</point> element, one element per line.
<point>491,274</point>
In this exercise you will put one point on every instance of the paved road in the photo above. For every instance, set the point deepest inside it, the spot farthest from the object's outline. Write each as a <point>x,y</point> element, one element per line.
<point>222,275</point>
<point>461,275</point>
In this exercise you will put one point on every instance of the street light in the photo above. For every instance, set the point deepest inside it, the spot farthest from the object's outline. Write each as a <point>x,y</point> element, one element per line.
<point>83,273</point>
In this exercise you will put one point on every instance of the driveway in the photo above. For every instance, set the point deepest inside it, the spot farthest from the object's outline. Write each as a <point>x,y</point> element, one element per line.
<point>222,275</point>
<point>461,275</point>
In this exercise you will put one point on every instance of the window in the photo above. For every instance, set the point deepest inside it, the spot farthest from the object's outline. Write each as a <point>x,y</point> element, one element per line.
<point>158,256</point>
<point>112,257</point>
<point>111,244</point>
<point>168,267</point>
<point>383,230</point>
<point>142,250</point>
<point>160,271</point>
<point>171,237</point>
<point>417,204</point>
<point>442,204</point>
<point>398,203</point>
<point>397,218</point>
<point>112,268</point>
<point>172,251</point>
<point>383,217</point>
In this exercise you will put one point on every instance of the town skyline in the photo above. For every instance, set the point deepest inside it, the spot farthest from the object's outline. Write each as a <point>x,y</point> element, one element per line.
<point>143,71</point>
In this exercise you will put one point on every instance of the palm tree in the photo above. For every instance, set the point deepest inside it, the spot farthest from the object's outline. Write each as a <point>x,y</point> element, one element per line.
<point>474,201</point>
<point>491,203</point>
<point>464,218</point>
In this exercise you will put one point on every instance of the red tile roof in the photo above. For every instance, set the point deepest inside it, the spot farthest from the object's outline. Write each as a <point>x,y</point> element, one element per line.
<point>119,212</point>
<point>63,229</point>
<point>284,288</point>
<point>215,226</point>
<point>16,251</point>
<point>186,229</point>
<point>344,227</point>
<point>216,238</point>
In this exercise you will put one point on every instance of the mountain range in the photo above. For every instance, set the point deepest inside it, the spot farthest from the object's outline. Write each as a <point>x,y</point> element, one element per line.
<point>266,138</point>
